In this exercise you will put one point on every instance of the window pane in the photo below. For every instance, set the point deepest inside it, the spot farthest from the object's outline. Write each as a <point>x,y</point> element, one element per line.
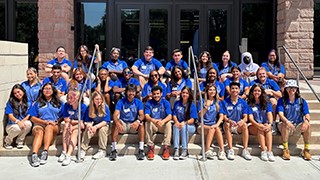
<point>27,29</point>
<point>130,37</point>
<point>2,21</point>
<point>217,33</point>
<point>189,26</point>
<point>92,26</point>
<point>158,37</point>
<point>257,27</point>
<point>316,45</point>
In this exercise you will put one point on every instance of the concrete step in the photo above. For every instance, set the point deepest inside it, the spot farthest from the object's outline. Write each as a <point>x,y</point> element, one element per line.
<point>314,113</point>
<point>313,104</point>
<point>132,149</point>
<point>308,95</point>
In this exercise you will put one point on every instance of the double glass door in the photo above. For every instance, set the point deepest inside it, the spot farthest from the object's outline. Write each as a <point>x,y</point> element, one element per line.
<point>167,27</point>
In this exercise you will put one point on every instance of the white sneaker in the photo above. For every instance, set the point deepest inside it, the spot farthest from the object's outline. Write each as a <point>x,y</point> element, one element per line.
<point>221,155</point>
<point>264,156</point>
<point>82,154</point>
<point>230,154</point>
<point>176,154</point>
<point>101,153</point>
<point>19,145</point>
<point>210,155</point>
<point>62,157</point>
<point>246,154</point>
<point>66,161</point>
<point>271,156</point>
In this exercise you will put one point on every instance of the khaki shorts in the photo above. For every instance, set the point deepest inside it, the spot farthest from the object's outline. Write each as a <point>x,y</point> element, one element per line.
<point>296,132</point>
<point>127,128</point>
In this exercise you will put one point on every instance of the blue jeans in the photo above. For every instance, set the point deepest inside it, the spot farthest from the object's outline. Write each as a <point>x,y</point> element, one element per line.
<point>183,134</point>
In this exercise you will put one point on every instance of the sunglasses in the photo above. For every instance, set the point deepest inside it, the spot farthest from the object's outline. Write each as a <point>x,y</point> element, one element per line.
<point>154,75</point>
<point>127,72</point>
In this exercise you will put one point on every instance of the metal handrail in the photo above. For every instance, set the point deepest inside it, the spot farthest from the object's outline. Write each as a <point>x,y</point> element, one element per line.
<point>301,73</point>
<point>197,88</point>
<point>88,77</point>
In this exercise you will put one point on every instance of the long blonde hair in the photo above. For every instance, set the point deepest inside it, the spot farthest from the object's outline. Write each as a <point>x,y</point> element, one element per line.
<point>101,110</point>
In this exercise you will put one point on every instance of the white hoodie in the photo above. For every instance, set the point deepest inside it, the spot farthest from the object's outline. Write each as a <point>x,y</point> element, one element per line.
<point>251,67</point>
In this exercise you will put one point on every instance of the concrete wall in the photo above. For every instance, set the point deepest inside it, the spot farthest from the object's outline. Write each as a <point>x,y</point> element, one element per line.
<point>13,66</point>
<point>295,32</point>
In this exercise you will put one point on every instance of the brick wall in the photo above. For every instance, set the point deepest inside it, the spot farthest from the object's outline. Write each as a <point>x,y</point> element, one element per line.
<point>295,31</point>
<point>55,21</point>
<point>13,66</point>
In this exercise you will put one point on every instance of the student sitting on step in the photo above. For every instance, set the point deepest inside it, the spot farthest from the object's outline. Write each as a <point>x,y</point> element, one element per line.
<point>128,117</point>
<point>70,130</point>
<point>97,120</point>
<point>261,119</point>
<point>45,114</point>
<point>212,118</point>
<point>295,118</point>
<point>184,115</point>
<point>236,113</point>
<point>158,117</point>
<point>18,125</point>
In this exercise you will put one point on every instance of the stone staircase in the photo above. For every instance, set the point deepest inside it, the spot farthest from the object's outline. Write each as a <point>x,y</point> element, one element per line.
<point>128,143</point>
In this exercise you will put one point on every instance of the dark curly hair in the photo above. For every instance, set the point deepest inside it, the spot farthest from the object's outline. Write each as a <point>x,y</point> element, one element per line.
<point>263,97</point>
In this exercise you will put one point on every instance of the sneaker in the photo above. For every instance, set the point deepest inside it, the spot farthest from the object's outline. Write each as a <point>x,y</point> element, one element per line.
<point>82,154</point>
<point>166,153</point>
<point>66,161</point>
<point>184,154</point>
<point>230,154</point>
<point>221,155</point>
<point>20,145</point>
<point>306,154</point>
<point>286,154</point>
<point>113,155</point>
<point>140,155</point>
<point>271,156</point>
<point>209,155</point>
<point>101,153</point>
<point>44,157</point>
<point>62,157</point>
<point>246,154</point>
<point>176,154</point>
<point>35,161</point>
<point>264,156</point>
<point>7,146</point>
<point>150,153</point>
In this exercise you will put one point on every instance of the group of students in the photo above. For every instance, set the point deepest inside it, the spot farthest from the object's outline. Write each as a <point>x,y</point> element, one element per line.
<point>236,99</point>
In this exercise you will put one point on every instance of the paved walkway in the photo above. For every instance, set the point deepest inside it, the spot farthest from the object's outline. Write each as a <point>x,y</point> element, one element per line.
<point>129,168</point>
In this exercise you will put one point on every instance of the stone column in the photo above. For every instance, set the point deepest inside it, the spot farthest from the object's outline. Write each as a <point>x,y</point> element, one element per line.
<point>295,32</point>
<point>55,21</point>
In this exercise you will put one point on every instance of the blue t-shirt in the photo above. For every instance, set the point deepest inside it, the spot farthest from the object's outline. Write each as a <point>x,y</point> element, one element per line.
<point>129,111</point>
<point>293,111</point>
<point>184,82</point>
<point>243,84</point>
<point>180,112</point>
<point>146,67</point>
<point>219,85</point>
<point>158,110</point>
<point>63,62</point>
<point>235,112</point>
<point>71,113</point>
<point>269,84</point>
<point>20,116</point>
<point>122,83</point>
<point>226,69</point>
<point>98,119</point>
<point>259,115</point>
<point>60,85</point>
<point>84,67</point>
<point>47,112</point>
<point>273,68</point>
<point>210,117</point>
<point>203,71</point>
<point>111,66</point>
<point>171,64</point>
<point>147,89</point>
<point>32,91</point>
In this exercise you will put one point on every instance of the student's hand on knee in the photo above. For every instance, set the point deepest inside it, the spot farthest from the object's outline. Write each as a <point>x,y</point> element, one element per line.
<point>305,125</point>
<point>119,127</point>
<point>135,125</point>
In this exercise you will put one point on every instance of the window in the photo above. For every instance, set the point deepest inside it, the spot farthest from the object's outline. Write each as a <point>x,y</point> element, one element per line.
<point>2,21</point>
<point>257,27</point>
<point>316,44</point>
